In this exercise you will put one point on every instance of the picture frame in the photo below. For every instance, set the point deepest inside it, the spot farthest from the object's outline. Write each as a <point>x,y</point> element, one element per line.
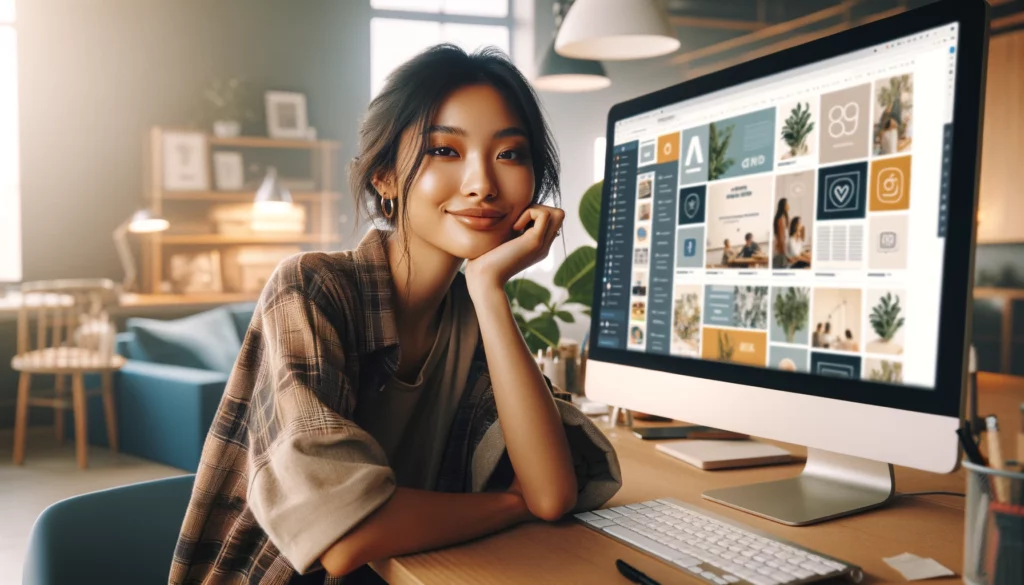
<point>185,162</point>
<point>196,272</point>
<point>228,171</point>
<point>286,115</point>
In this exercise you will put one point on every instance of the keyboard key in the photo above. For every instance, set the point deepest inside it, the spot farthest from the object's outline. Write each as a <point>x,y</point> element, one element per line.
<point>602,523</point>
<point>607,514</point>
<point>818,568</point>
<point>762,580</point>
<point>620,509</point>
<point>802,574</point>
<point>731,578</point>
<point>649,545</point>
<point>587,516</point>
<point>639,507</point>
<point>783,577</point>
<point>684,560</point>
<point>720,581</point>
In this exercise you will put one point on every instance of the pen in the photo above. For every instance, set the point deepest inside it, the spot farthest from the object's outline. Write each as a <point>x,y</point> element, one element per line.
<point>633,574</point>
<point>1020,438</point>
<point>970,447</point>
<point>995,458</point>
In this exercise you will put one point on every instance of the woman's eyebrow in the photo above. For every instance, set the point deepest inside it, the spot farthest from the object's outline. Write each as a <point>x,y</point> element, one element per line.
<point>456,131</point>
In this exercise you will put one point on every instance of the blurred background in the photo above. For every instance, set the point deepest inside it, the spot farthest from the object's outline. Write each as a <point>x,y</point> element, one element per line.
<point>179,149</point>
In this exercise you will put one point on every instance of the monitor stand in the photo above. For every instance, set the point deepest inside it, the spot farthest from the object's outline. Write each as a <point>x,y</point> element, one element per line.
<point>831,485</point>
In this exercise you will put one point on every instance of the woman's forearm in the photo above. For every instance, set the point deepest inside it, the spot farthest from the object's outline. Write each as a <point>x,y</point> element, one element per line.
<point>530,421</point>
<point>417,520</point>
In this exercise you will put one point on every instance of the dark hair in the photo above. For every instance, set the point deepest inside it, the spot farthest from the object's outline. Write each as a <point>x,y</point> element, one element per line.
<point>780,211</point>
<point>794,225</point>
<point>849,334</point>
<point>414,93</point>
<point>749,236</point>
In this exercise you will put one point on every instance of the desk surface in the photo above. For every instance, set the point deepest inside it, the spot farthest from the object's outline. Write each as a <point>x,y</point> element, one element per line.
<point>928,526</point>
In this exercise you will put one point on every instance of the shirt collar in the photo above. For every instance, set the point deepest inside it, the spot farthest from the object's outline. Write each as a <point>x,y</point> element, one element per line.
<point>377,287</point>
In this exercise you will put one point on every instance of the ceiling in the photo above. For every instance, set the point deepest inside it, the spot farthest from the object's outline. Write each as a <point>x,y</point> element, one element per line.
<point>720,33</point>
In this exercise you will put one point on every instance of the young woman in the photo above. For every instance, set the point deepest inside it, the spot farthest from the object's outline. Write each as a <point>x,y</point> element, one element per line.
<point>796,256</point>
<point>361,419</point>
<point>781,240</point>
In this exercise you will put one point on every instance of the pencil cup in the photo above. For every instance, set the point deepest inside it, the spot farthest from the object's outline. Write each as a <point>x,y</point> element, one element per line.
<point>994,529</point>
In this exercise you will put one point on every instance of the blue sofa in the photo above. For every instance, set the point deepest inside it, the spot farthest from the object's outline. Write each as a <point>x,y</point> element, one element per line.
<point>168,391</point>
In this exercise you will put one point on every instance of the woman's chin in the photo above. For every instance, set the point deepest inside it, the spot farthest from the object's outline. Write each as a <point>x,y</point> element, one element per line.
<point>472,246</point>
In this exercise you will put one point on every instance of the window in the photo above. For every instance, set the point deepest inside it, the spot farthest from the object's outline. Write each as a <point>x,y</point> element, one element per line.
<point>400,29</point>
<point>10,183</point>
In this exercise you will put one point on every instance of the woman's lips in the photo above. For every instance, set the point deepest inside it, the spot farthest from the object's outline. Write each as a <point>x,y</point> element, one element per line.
<point>478,218</point>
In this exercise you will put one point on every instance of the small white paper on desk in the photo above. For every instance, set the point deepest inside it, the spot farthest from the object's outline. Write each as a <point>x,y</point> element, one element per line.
<point>915,568</point>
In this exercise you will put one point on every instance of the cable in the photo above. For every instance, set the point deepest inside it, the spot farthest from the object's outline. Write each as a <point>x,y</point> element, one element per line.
<point>907,495</point>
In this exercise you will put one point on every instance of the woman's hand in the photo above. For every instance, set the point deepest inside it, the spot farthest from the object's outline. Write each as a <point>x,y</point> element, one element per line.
<point>493,269</point>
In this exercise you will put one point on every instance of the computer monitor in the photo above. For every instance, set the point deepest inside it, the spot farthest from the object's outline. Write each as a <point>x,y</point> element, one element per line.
<point>786,251</point>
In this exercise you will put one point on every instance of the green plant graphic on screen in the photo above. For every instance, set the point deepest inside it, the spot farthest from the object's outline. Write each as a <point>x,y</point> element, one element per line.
<point>797,128</point>
<point>791,308</point>
<point>718,147</point>
<point>891,372</point>
<point>885,317</point>
<point>750,307</point>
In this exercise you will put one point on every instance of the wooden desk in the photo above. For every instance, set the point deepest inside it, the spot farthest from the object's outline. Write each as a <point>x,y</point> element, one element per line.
<point>928,526</point>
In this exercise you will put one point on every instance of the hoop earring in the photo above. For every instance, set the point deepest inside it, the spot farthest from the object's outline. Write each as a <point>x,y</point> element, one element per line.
<point>387,207</point>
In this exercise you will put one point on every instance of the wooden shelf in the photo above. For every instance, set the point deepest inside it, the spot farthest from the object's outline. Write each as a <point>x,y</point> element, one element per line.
<point>130,300</point>
<point>263,142</point>
<point>244,196</point>
<point>221,239</point>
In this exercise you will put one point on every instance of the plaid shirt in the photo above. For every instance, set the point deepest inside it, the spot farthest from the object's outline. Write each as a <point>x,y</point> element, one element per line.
<point>323,328</point>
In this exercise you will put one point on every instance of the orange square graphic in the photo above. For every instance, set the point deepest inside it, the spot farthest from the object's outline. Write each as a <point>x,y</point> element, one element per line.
<point>890,184</point>
<point>668,148</point>
<point>734,345</point>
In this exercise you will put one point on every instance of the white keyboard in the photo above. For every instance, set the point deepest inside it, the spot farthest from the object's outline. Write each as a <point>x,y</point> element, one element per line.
<point>712,548</point>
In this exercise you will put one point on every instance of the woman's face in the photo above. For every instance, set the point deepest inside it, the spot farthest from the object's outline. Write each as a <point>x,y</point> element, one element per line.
<point>475,180</point>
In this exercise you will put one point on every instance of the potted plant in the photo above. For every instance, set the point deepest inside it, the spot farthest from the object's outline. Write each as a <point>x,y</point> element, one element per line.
<point>886,321</point>
<point>226,106</point>
<point>797,128</point>
<point>791,310</point>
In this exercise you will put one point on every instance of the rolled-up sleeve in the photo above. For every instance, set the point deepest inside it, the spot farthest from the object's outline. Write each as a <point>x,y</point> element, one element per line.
<point>595,462</point>
<point>315,474</point>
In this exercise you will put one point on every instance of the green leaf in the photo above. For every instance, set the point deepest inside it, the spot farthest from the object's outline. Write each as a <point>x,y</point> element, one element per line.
<point>565,316</point>
<point>527,293</point>
<point>576,275</point>
<point>590,209</point>
<point>541,333</point>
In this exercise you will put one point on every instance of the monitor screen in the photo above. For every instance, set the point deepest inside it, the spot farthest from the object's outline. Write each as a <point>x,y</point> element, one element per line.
<point>795,222</point>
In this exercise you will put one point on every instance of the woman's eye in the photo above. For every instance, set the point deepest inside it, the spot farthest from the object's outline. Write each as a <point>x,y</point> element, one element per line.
<point>512,155</point>
<point>443,151</point>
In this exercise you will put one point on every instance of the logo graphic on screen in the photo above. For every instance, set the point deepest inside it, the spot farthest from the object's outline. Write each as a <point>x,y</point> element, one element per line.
<point>841,192</point>
<point>890,185</point>
<point>691,205</point>
<point>694,153</point>
<point>888,242</point>
<point>690,247</point>
<point>843,120</point>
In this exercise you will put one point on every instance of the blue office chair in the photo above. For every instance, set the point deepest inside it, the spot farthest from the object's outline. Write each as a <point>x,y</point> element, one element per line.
<point>120,535</point>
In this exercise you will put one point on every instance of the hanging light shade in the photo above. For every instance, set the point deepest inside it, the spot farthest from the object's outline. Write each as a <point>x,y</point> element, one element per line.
<point>616,30</point>
<point>558,73</point>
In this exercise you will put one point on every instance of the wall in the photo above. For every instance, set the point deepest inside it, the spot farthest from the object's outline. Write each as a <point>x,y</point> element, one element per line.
<point>97,74</point>
<point>1001,205</point>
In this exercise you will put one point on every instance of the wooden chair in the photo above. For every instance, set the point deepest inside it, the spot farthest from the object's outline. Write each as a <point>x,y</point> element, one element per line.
<point>73,336</point>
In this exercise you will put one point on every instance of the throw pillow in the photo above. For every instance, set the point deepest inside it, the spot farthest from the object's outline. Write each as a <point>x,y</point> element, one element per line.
<point>207,340</point>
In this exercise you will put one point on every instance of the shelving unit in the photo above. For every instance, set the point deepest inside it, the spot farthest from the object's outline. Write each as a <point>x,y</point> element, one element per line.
<point>320,204</point>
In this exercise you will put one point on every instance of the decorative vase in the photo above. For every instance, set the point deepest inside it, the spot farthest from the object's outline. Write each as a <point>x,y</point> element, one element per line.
<point>890,141</point>
<point>227,128</point>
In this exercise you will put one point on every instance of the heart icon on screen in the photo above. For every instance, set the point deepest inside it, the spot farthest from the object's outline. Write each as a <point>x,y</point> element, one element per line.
<point>841,192</point>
